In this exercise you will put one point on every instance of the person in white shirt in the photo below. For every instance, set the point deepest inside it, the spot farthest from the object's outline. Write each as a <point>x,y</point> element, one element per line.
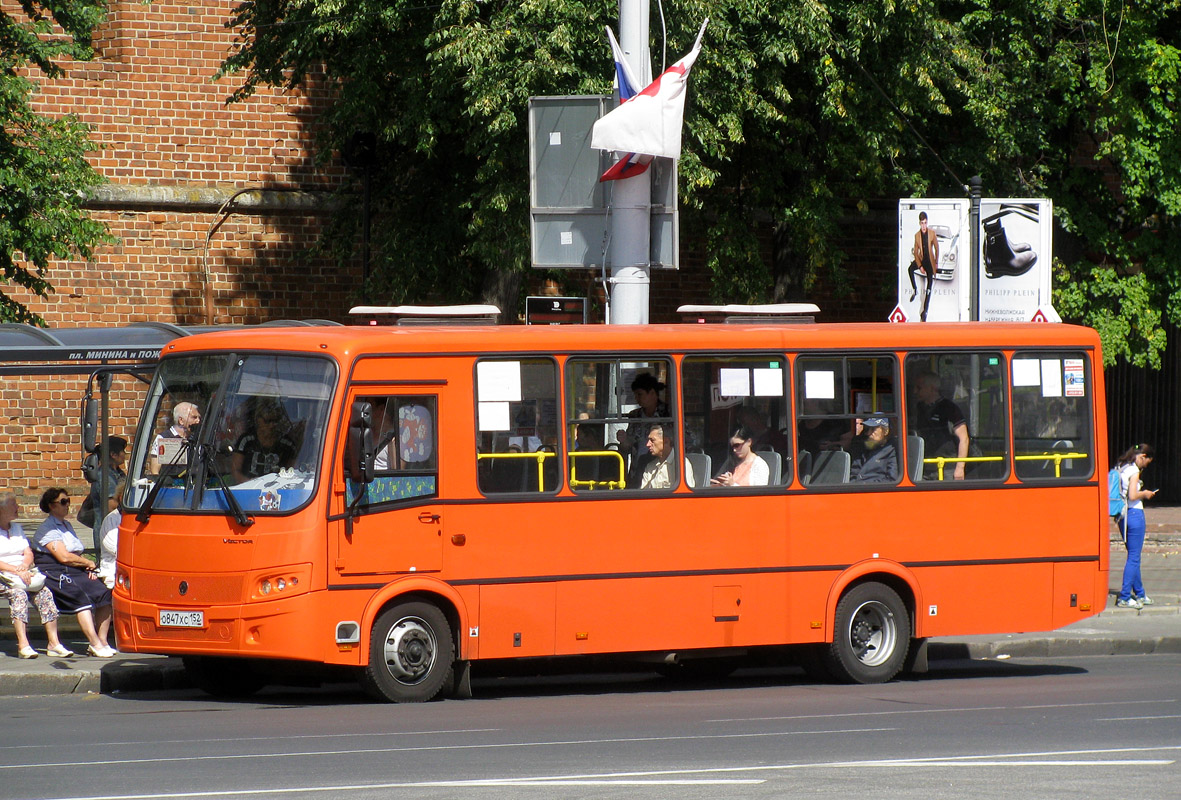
<point>660,472</point>
<point>185,417</point>
<point>16,559</point>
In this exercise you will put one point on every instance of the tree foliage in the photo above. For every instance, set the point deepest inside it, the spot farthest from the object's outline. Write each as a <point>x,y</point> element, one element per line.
<point>799,110</point>
<point>44,174</point>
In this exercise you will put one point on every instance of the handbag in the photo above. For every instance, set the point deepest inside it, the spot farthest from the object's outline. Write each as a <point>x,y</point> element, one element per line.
<point>36,580</point>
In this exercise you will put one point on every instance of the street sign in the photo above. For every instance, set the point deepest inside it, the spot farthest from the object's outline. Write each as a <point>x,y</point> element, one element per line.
<point>555,310</point>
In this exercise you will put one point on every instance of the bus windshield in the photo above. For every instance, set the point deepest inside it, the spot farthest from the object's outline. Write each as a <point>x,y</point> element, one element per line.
<point>231,433</point>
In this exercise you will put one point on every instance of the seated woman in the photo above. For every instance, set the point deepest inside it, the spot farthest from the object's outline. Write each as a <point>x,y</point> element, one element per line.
<point>16,558</point>
<point>743,467</point>
<point>70,576</point>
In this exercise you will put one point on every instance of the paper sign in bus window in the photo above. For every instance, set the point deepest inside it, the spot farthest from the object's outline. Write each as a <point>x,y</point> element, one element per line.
<point>768,382</point>
<point>1026,372</point>
<point>494,416</point>
<point>498,381</point>
<point>1051,377</point>
<point>1076,382</point>
<point>734,382</point>
<point>820,384</point>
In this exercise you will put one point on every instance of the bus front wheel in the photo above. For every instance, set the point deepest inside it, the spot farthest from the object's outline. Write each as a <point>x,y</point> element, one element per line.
<point>871,637</point>
<point>411,654</point>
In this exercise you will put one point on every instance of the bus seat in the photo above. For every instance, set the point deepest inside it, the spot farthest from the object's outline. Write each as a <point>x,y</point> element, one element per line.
<point>774,465</point>
<point>702,470</point>
<point>914,457</point>
<point>831,466</point>
<point>804,462</point>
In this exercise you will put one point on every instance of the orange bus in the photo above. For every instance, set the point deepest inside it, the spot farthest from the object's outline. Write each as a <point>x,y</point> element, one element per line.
<point>405,501</point>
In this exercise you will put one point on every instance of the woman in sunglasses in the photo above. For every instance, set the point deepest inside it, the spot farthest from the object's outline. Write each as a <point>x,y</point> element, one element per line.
<point>71,577</point>
<point>744,467</point>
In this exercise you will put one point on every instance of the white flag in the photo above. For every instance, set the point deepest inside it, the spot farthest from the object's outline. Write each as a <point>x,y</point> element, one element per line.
<point>650,122</point>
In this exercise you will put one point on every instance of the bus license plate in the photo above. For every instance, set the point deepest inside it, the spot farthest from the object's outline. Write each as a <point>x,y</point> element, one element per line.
<point>182,619</point>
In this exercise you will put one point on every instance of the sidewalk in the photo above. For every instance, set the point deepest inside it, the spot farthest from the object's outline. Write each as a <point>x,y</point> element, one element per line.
<point>1115,631</point>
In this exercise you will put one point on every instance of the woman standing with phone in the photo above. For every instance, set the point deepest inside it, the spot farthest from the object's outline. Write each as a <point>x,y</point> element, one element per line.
<point>1131,464</point>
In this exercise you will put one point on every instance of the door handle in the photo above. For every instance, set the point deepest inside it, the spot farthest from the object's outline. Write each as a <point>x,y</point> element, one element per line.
<point>427,518</point>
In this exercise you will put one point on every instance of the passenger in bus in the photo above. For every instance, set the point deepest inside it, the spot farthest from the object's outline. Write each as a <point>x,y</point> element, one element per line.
<point>185,419</point>
<point>268,446</point>
<point>817,432</point>
<point>743,467</point>
<point>646,389</point>
<point>941,424</point>
<point>71,576</point>
<point>16,561</point>
<point>660,472</point>
<point>764,436</point>
<point>874,453</point>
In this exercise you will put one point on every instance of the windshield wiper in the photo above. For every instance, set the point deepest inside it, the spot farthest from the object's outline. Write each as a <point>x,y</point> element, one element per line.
<point>206,455</point>
<point>174,469</point>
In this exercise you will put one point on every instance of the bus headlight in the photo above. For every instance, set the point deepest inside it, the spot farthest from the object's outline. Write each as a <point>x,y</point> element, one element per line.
<point>122,580</point>
<point>287,582</point>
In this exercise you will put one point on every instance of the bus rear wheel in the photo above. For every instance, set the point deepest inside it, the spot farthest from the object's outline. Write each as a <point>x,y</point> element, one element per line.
<point>411,654</point>
<point>871,637</point>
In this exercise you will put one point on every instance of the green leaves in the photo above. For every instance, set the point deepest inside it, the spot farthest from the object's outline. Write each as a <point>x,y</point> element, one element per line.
<point>44,175</point>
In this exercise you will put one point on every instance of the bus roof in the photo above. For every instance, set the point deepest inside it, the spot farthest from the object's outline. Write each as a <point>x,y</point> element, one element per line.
<point>351,341</point>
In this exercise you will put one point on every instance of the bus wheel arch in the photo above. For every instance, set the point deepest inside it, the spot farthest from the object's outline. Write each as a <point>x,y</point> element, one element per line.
<point>872,631</point>
<point>412,650</point>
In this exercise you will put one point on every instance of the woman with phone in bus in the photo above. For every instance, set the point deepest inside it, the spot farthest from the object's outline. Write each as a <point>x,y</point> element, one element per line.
<point>1131,464</point>
<point>743,467</point>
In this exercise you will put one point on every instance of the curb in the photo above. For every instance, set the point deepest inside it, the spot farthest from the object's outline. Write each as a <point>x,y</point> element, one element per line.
<point>1052,647</point>
<point>110,678</point>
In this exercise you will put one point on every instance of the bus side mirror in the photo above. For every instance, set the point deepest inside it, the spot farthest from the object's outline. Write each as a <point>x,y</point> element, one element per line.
<point>90,425</point>
<point>359,451</point>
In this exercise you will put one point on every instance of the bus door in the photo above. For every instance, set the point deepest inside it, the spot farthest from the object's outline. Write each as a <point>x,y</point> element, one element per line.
<point>396,524</point>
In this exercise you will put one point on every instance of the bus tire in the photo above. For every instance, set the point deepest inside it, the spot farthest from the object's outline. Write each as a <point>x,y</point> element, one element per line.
<point>223,677</point>
<point>871,636</point>
<point>411,654</point>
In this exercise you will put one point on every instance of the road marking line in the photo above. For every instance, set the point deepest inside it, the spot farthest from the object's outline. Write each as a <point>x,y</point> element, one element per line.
<point>432,748</point>
<point>292,737</point>
<point>1134,719</point>
<point>633,778</point>
<point>943,710</point>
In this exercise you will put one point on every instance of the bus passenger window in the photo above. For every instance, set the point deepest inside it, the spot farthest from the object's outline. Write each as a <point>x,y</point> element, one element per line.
<point>405,456</point>
<point>956,416</point>
<point>612,407</point>
<point>1052,421</point>
<point>847,425</point>
<point>736,414</point>
<point>517,421</point>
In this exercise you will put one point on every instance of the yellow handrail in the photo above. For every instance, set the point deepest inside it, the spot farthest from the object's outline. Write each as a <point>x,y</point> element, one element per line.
<point>540,455</point>
<point>577,454</point>
<point>1058,458</point>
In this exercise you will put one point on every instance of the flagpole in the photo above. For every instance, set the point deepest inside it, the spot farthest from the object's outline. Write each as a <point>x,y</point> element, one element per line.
<point>631,198</point>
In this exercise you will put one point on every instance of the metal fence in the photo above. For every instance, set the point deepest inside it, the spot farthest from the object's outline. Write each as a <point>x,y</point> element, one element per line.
<point>1142,406</point>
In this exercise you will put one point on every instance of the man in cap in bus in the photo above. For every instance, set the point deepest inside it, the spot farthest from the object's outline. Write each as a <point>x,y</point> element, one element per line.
<point>875,457</point>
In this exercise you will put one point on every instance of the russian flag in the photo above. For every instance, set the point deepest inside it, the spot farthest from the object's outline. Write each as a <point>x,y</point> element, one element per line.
<point>632,164</point>
<point>646,123</point>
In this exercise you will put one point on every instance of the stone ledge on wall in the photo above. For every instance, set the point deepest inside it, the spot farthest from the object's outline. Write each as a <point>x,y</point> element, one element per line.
<point>119,197</point>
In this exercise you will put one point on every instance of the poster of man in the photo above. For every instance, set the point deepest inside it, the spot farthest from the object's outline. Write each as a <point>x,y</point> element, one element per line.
<point>933,283</point>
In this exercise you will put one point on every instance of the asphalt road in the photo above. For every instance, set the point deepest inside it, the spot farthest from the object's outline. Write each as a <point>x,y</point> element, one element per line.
<point>1106,726</point>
